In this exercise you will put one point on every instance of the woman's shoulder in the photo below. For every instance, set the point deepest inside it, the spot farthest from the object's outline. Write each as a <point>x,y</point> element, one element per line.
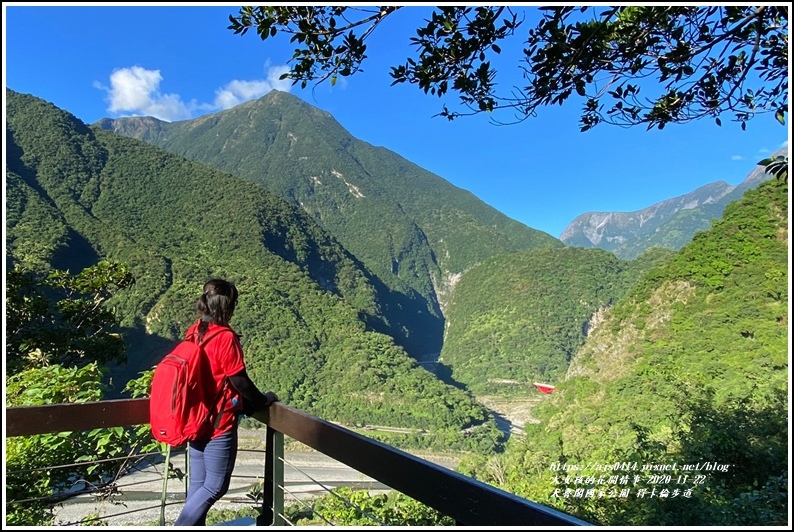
<point>222,331</point>
<point>191,331</point>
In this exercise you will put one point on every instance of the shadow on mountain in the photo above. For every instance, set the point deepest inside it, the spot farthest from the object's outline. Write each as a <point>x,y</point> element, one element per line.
<point>504,424</point>
<point>76,255</point>
<point>444,373</point>
<point>409,318</point>
<point>144,351</point>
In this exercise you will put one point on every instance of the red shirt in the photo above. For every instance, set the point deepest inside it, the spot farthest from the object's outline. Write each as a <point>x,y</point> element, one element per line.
<point>226,359</point>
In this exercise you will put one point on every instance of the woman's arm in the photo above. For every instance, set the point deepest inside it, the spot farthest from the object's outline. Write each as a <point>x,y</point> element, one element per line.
<point>253,399</point>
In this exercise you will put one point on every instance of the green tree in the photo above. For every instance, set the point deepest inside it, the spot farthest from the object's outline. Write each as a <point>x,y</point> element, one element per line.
<point>693,61</point>
<point>350,507</point>
<point>59,333</point>
<point>63,319</point>
<point>33,485</point>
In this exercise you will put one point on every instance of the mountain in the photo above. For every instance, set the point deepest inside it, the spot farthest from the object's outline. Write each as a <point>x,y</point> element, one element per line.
<point>414,230</point>
<point>684,385</point>
<point>309,313</point>
<point>668,224</point>
<point>519,317</point>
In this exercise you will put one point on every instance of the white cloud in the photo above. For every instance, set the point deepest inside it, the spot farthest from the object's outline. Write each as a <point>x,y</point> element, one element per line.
<point>136,90</point>
<point>236,91</point>
<point>764,152</point>
<point>737,158</point>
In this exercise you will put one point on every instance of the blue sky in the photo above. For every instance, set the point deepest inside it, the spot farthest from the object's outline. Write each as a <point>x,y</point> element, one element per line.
<point>179,62</point>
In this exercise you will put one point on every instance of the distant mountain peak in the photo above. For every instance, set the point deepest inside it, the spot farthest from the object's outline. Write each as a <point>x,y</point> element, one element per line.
<point>670,223</point>
<point>140,127</point>
<point>600,226</point>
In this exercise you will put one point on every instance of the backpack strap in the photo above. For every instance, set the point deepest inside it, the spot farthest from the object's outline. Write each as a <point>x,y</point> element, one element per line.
<point>207,337</point>
<point>222,388</point>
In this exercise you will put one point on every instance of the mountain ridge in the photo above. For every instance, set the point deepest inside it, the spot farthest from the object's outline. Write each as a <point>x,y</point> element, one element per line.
<point>412,228</point>
<point>598,219</point>
<point>670,223</point>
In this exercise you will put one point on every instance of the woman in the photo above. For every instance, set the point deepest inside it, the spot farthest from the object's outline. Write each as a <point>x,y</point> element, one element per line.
<point>212,458</point>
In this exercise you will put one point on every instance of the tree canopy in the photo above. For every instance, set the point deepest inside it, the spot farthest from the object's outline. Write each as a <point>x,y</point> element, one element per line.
<point>702,61</point>
<point>630,65</point>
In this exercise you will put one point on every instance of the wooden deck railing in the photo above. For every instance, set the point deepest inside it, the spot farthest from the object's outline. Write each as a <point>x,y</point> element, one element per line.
<point>468,501</point>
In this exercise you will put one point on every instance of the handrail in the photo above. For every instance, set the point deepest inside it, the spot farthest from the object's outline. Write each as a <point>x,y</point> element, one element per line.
<point>468,501</point>
<point>420,479</point>
<point>62,417</point>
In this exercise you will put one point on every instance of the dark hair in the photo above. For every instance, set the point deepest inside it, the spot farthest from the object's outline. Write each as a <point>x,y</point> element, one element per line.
<point>216,304</point>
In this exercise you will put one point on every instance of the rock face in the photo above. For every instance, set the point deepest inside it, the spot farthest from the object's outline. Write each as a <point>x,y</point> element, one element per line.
<point>140,127</point>
<point>669,224</point>
<point>610,230</point>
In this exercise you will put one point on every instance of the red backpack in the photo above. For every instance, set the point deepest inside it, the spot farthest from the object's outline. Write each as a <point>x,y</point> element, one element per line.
<point>182,398</point>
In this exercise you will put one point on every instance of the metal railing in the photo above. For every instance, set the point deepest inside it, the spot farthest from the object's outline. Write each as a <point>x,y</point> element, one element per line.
<point>468,501</point>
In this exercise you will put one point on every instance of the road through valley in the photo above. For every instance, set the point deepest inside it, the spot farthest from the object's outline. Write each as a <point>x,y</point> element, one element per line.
<point>307,474</point>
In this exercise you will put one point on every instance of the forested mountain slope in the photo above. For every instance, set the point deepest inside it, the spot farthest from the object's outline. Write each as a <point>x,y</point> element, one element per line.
<point>518,318</point>
<point>690,368</point>
<point>413,229</point>
<point>308,310</point>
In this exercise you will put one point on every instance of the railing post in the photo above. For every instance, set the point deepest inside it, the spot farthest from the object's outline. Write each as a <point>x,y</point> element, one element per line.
<point>164,494</point>
<point>273,484</point>
<point>278,478</point>
<point>187,470</point>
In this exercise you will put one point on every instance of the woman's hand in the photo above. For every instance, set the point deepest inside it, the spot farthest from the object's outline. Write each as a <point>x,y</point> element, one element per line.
<point>270,398</point>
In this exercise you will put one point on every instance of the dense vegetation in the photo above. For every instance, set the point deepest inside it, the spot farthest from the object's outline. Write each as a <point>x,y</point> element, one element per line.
<point>414,230</point>
<point>690,368</point>
<point>346,507</point>
<point>672,358</point>
<point>349,507</point>
<point>519,318</point>
<point>309,313</point>
<point>59,335</point>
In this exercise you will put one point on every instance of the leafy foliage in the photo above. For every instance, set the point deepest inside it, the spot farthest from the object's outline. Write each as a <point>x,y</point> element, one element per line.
<point>74,328</point>
<point>691,367</point>
<point>683,48</point>
<point>702,59</point>
<point>350,507</point>
<point>776,165</point>
<point>66,369</point>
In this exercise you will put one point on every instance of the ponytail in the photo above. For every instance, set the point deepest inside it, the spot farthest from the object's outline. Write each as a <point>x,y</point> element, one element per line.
<point>216,304</point>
